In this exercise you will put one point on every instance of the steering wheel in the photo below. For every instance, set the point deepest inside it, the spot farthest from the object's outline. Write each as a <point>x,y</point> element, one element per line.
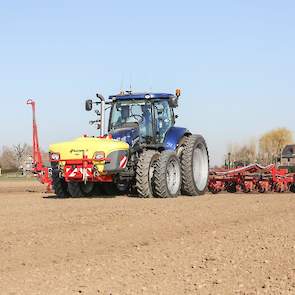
<point>140,118</point>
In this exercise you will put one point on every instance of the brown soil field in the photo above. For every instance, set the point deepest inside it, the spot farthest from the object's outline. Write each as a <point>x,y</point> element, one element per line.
<point>224,244</point>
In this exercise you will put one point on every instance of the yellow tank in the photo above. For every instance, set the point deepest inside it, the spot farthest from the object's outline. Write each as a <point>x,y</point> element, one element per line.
<point>89,146</point>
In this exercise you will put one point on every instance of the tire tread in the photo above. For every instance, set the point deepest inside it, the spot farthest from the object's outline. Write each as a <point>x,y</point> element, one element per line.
<point>188,182</point>
<point>143,187</point>
<point>161,189</point>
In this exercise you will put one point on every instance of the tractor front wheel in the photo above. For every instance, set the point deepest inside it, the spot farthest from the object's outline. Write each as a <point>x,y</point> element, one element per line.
<point>167,175</point>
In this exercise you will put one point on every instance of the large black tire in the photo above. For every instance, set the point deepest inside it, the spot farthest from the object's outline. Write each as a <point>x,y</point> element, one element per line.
<point>145,173</point>
<point>59,185</point>
<point>292,188</point>
<point>167,175</point>
<point>194,165</point>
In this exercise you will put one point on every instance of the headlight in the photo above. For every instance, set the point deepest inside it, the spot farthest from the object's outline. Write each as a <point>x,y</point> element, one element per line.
<point>98,156</point>
<point>54,156</point>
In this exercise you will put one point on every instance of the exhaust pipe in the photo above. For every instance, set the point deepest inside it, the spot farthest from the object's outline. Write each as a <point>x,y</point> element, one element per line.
<point>102,113</point>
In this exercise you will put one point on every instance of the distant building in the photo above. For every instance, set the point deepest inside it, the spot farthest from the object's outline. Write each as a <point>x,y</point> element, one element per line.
<point>288,155</point>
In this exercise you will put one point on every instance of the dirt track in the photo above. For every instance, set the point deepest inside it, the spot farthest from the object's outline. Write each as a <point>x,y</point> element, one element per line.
<point>229,244</point>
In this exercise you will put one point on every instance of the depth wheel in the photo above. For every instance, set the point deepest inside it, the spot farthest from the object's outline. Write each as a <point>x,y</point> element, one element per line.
<point>59,185</point>
<point>145,173</point>
<point>167,175</point>
<point>78,189</point>
<point>261,189</point>
<point>194,166</point>
<point>292,188</point>
<point>88,189</point>
<point>75,190</point>
<point>231,187</point>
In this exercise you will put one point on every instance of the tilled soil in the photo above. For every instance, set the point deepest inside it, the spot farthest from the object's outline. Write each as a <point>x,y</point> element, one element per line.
<point>224,244</point>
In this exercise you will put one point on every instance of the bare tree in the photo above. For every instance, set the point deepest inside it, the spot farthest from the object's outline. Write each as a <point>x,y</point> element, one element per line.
<point>21,153</point>
<point>244,154</point>
<point>7,159</point>
<point>15,157</point>
<point>272,143</point>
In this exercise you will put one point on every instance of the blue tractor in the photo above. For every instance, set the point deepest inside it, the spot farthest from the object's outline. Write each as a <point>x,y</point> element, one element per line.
<point>163,160</point>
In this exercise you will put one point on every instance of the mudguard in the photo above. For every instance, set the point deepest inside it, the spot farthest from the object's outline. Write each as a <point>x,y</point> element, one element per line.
<point>173,136</point>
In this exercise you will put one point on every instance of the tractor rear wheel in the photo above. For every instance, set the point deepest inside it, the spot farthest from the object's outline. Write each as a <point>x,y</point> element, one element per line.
<point>60,187</point>
<point>145,173</point>
<point>167,175</point>
<point>194,165</point>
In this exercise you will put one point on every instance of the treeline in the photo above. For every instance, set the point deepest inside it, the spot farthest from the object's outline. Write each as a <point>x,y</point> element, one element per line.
<point>16,157</point>
<point>266,150</point>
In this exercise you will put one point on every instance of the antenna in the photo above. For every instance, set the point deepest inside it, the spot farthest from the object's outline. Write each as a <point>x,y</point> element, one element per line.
<point>122,85</point>
<point>130,85</point>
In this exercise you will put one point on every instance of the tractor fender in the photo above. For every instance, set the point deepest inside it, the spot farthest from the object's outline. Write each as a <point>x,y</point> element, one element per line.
<point>173,137</point>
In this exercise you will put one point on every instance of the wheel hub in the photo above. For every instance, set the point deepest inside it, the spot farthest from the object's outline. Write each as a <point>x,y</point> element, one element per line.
<point>173,176</point>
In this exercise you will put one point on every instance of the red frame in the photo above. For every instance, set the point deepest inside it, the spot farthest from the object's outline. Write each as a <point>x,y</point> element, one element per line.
<point>42,172</point>
<point>253,177</point>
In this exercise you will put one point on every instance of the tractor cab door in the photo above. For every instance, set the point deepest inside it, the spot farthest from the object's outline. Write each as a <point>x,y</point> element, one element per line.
<point>131,116</point>
<point>164,119</point>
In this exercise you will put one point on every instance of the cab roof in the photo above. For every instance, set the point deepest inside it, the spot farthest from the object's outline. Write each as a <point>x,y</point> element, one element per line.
<point>140,96</point>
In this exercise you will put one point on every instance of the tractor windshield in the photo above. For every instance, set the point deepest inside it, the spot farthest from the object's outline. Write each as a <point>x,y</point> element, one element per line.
<point>132,113</point>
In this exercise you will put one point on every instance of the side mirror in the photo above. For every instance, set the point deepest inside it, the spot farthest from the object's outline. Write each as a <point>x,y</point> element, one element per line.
<point>88,105</point>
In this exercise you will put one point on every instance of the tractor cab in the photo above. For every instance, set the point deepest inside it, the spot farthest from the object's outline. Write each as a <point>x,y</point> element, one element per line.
<point>142,118</point>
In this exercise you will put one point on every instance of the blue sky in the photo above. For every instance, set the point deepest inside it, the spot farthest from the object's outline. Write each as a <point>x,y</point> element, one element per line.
<point>234,61</point>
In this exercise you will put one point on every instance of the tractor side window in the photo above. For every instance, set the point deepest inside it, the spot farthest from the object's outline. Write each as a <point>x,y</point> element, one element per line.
<point>164,119</point>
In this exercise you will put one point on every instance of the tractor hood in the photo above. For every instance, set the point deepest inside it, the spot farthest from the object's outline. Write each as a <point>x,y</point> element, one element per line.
<point>71,150</point>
